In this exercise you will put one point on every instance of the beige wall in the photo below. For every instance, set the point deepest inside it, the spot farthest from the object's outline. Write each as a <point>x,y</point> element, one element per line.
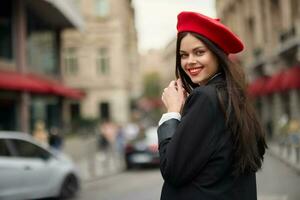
<point>116,32</point>
<point>169,60</point>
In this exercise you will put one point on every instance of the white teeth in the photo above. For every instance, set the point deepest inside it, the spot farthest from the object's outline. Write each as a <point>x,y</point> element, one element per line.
<point>194,70</point>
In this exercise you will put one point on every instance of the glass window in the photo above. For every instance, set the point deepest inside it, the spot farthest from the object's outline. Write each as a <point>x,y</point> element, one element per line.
<point>103,61</point>
<point>71,61</point>
<point>41,52</point>
<point>6,50</point>
<point>3,148</point>
<point>42,45</point>
<point>29,150</point>
<point>102,8</point>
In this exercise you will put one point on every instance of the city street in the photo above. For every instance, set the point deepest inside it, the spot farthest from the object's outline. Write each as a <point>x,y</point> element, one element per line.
<point>275,182</point>
<point>142,184</point>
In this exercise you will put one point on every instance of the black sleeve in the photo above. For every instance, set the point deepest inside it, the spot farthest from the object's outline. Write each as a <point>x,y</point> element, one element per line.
<point>186,146</point>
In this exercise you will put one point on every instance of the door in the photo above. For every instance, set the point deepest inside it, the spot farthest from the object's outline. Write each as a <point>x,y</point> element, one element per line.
<point>35,164</point>
<point>10,172</point>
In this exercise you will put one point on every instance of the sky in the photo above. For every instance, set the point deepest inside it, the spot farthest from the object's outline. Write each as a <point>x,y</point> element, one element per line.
<point>156,19</point>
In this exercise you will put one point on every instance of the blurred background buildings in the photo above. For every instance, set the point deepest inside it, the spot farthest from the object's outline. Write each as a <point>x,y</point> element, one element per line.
<point>31,85</point>
<point>65,61</point>
<point>102,60</point>
<point>271,32</point>
<point>73,64</point>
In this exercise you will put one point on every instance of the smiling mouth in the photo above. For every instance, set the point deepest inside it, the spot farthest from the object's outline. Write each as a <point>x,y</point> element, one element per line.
<point>195,71</point>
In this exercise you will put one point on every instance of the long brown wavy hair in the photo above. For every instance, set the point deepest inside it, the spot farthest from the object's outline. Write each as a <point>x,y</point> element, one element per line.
<point>247,133</point>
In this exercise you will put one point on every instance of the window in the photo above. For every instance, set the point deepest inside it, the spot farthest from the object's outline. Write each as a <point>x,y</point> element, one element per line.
<point>102,61</point>
<point>70,61</point>
<point>3,148</point>
<point>29,150</point>
<point>75,111</point>
<point>104,111</point>
<point>42,45</point>
<point>41,51</point>
<point>102,8</point>
<point>6,44</point>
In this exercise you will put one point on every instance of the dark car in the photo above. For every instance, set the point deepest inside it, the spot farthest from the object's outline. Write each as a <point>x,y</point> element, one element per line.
<point>143,150</point>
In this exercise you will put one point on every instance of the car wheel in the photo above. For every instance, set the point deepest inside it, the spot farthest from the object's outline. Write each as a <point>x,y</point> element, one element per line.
<point>69,187</point>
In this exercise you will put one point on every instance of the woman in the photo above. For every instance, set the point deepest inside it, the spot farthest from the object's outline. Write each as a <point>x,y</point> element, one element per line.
<point>210,141</point>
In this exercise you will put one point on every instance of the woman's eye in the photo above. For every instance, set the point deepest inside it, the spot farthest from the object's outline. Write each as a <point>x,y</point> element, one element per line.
<point>199,53</point>
<point>183,55</point>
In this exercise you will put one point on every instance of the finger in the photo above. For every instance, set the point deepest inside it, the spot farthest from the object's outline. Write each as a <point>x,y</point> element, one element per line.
<point>172,84</point>
<point>179,85</point>
<point>179,82</point>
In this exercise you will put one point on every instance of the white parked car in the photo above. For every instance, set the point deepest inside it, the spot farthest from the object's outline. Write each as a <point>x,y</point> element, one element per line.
<point>30,171</point>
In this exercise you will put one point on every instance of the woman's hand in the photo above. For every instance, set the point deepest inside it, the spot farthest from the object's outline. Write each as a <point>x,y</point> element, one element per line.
<point>174,96</point>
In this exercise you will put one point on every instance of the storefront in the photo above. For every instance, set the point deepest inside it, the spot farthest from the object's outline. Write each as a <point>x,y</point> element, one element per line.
<point>31,87</point>
<point>278,96</point>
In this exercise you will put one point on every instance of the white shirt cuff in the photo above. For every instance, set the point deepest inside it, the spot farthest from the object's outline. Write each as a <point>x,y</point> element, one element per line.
<point>169,115</point>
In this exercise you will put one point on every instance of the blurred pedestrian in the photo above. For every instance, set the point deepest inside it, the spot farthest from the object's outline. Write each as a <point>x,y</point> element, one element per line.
<point>40,133</point>
<point>210,140</point>
<point>55,139</point>
<point>131,130</point>
<point>108,134</point>
<point>120,140</point>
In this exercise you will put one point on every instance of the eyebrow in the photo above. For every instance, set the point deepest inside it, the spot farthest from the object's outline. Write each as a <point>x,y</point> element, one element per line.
<point>194,49</point>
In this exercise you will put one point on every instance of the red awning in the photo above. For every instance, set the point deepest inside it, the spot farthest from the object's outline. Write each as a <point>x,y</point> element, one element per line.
<point>10,80</point>
<point>57,88</point>
<point>291,79</point>
<point>257,87</point>
<point>275,83</point>
<point>15,81</point>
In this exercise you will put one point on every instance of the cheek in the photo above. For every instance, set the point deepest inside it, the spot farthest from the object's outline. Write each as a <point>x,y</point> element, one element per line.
<point>213,66</point>
<point>216,67</point>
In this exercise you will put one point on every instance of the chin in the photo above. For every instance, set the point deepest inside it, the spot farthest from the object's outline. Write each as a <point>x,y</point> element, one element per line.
<point>197,80</point>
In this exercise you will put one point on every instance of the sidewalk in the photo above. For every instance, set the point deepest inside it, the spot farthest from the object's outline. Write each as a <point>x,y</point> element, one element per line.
<point>276,180</point>
<point>285,154</point>
<point>92,163</point>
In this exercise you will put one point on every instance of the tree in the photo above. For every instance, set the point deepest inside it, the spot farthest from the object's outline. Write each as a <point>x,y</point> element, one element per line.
<point>152,87</point>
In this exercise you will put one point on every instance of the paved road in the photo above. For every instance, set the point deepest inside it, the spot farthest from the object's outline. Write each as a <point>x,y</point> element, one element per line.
<point>275,182</point>
<point>138,184</point>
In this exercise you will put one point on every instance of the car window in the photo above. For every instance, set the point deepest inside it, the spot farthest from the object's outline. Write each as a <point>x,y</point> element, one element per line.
<point>28,150</point>
<point>3,148</point>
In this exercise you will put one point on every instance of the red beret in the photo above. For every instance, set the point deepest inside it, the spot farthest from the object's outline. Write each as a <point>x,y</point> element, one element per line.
<point>210,28</point>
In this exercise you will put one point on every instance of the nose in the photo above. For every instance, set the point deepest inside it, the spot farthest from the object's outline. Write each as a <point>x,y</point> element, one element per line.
<point>191,59</point>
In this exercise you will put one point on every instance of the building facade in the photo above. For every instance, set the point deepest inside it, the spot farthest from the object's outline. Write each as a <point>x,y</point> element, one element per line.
<point>102,60</point>
<point>270,30</point>
<point>160,61</point>
<point>170,61</point>
<point>31,89</point>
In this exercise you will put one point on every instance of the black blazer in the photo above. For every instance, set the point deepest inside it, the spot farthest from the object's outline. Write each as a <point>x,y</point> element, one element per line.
<point>196,153</point>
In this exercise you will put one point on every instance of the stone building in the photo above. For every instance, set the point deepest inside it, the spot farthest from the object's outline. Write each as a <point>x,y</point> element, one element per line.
<point>31,87</point>
<point>170,60</point>
<point>270,30</point>
<point>102,60</point>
